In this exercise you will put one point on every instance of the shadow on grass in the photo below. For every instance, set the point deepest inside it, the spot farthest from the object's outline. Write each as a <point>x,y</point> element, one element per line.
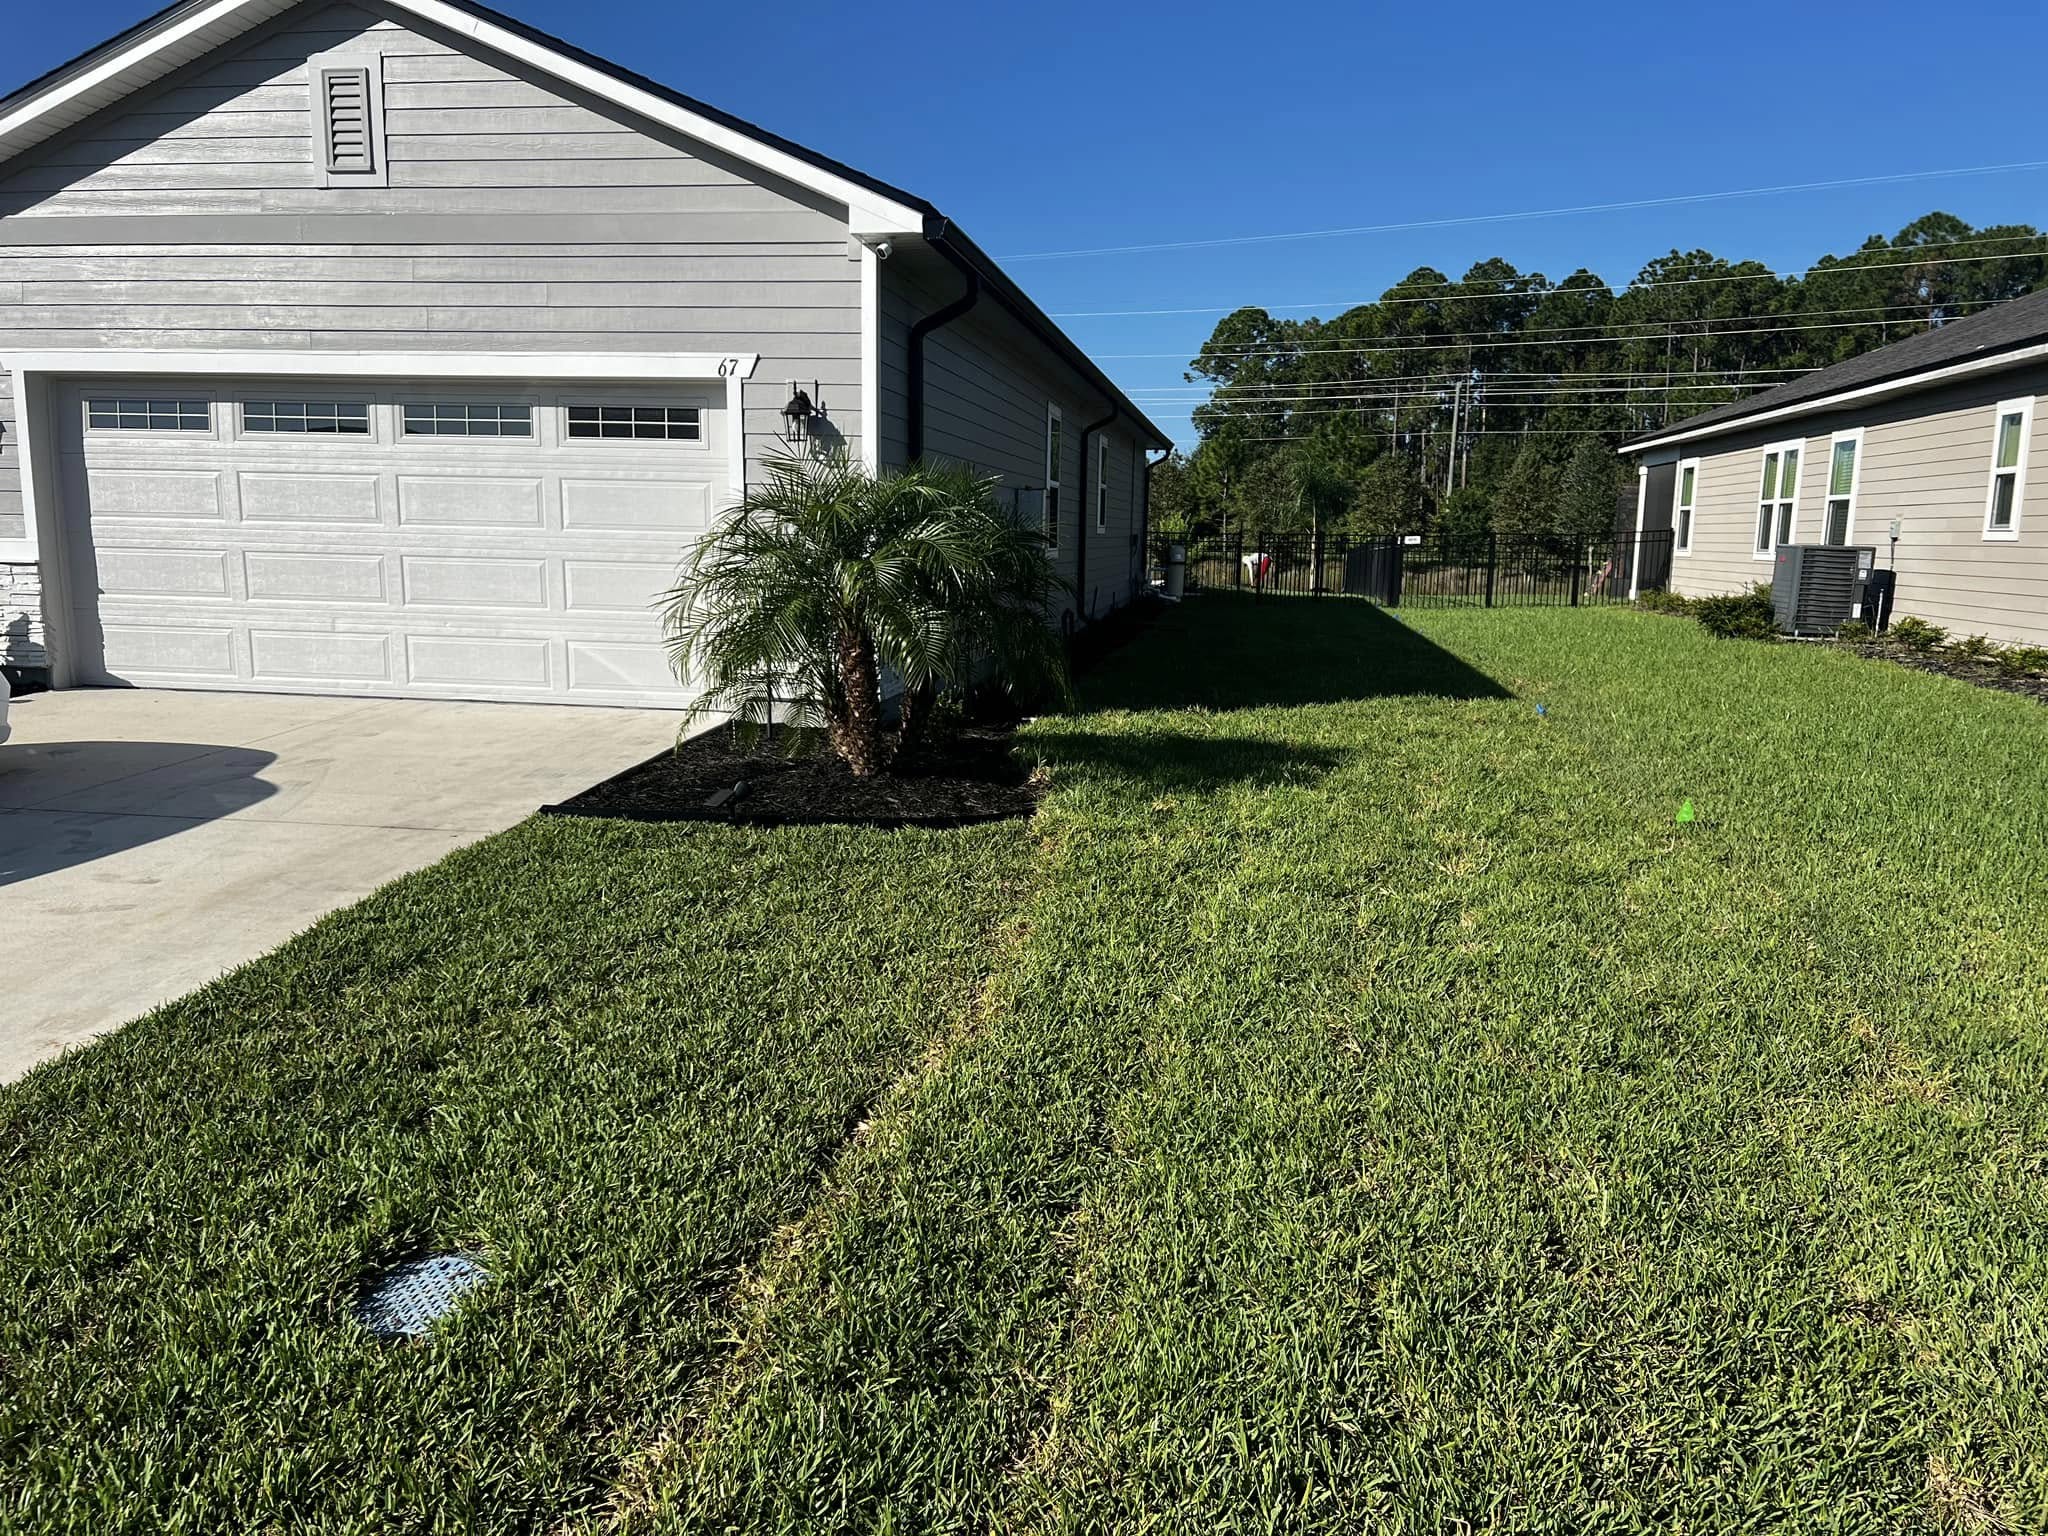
<point>1180,762</point>
<point>1222,651</point>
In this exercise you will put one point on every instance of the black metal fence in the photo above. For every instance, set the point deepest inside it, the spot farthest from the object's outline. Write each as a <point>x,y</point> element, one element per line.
<point>1427,570</point>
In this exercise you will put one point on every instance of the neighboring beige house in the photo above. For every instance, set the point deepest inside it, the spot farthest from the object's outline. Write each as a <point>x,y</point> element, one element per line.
<point>1929,438</point>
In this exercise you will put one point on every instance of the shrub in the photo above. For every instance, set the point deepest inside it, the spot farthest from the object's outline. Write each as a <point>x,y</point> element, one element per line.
<point>1973,648</point>
<point>1855,632</point>
<point>1738,615</point>
<point>2022,661</point>
<point>1917,635</point>
<point>1665,602</point>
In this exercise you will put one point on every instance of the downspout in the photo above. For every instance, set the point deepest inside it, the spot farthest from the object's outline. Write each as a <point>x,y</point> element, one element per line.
<point>1087,518</point>
<point>914,364</point>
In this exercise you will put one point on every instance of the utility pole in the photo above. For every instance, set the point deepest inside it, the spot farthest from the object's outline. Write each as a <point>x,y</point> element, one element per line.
<point>1451,452</point>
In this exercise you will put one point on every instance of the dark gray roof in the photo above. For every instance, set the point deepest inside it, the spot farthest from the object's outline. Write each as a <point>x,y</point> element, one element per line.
<point>2003,328</point>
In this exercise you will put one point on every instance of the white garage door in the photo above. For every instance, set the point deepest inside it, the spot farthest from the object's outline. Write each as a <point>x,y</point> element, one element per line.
<point>445,542</point>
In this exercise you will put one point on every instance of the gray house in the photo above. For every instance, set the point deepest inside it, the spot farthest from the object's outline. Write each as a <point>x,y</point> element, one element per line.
<point>396,348</point>
<point>1929,438</point>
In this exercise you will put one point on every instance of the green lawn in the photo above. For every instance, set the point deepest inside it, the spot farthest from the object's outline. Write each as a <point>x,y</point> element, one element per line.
<point>1356,1103</point>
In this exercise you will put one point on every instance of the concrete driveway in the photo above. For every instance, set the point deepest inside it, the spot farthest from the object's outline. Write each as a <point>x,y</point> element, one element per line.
<point>151,840</point>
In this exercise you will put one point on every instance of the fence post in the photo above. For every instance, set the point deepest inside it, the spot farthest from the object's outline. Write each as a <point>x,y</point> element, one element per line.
<point>1578,568</point>
<point>1492,559</point>
<point>1238,563</point>
<point>1315,554</point>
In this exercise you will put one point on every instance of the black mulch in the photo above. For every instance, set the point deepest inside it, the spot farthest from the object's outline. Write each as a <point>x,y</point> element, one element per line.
<point>965,776</point>
<point>1981,674</point>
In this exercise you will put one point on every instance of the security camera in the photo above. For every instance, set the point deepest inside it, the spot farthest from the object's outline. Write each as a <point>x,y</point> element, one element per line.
<point>883,250</point>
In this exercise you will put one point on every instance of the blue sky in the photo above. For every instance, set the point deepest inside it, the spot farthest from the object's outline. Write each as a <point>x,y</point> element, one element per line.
<point>1061,126</point>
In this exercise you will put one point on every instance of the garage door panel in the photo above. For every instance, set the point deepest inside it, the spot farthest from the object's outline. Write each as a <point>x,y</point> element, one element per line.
<point>596,667</point>
<point>472,662</point>
<point>163,573</point>
<point>454,567</point>
<point>440,501</point>
<point>311,577</point>
<point>636,506</point>
<point>137,651</point>
<point>615,586</point>
<point>470,582</point>
<point>183,495</point>
<point>296,656</point>
<point>296,498</point>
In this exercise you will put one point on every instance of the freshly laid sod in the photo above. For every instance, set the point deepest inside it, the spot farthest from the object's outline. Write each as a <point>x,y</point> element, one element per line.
<point>1358,1102</point>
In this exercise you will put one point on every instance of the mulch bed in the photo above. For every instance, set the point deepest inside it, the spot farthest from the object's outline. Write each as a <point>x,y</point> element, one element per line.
<point>1979,674</point>
<point>963,777</point>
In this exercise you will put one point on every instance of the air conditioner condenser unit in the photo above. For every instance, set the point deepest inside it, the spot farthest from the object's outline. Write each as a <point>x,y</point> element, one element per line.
<point>1817,588</point>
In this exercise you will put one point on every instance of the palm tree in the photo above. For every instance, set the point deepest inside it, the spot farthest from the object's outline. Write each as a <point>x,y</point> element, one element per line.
<point>826,575</point>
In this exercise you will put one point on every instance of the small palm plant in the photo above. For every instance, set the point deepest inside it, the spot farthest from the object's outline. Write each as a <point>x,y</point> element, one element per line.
<point>827,576</point>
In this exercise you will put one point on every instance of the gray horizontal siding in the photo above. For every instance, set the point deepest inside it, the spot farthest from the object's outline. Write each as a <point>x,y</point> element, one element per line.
<point>519,217</point>
<point>986,386</point>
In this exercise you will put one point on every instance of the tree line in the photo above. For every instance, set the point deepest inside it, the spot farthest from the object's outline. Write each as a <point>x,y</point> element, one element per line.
<point>1496,401</point>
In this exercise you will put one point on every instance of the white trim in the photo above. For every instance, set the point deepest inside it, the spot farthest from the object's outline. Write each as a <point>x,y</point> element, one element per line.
<point>1102,483</point>
<point>1690,510</point>
<point>1777,500</point>
<point>867,209</point>
<point>1049,513</point>
<point>1898,386</point>
<point>1852,435</point>
<point>736,435</point>
<point>870,357</point>
<point>1635,559</point>
<point>2024,408</point>
<point>541,367</point>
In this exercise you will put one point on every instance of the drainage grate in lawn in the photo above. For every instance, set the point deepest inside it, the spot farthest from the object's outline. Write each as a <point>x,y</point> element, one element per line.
<point>409,1300</point>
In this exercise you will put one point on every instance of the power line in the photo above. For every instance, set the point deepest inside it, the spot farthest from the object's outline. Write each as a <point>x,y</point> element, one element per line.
<point>1489,342</point>
<point>1676,200</point>
<point>1487,381</point>
<point>1612,295</point>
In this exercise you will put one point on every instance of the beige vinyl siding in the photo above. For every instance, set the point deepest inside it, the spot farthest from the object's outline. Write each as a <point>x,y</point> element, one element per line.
<point>1926,460</point>
<point>986,383</point>
<point>517,218</point>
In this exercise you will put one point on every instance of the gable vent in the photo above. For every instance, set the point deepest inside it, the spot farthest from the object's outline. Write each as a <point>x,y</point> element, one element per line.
<point>345,98</point>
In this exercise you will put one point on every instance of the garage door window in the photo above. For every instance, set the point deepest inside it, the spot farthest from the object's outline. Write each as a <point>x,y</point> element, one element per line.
<point>148,416</point>
<point>306,416</point>
<point>460,420</point>
<point>642,423</point>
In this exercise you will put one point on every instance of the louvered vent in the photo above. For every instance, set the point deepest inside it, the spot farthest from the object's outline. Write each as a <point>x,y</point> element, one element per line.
<point>345,96</point>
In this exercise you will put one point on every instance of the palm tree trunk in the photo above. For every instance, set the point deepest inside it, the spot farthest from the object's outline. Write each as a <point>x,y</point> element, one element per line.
<point>857,733</point>
<point>914,714</point>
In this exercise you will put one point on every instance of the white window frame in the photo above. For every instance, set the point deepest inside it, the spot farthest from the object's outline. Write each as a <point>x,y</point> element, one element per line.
<point>1102,485</point>
<point>1055,446</point>
<point>1784,510</point>
<point>1828,496</point>
<point>151,395</point>
<point>243,401</point>
<point>409,402</point>
<point>1685,514</point>
<point>698,444</point>
<point>2024,409</point>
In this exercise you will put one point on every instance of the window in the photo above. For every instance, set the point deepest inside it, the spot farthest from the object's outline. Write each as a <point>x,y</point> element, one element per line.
<point>1688,490</point>
<point>1052,474</point>
<point>2011,429</point>
<point>645,423</point>
<point>319,416</point>
<point>1845,451</point>
<point>1777,498</point>
<point>1102,485</point>
<point>469,421</point>
<point>148,416</point>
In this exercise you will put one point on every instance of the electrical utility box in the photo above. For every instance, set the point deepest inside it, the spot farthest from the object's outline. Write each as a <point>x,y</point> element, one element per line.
<point>1817,588</point>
